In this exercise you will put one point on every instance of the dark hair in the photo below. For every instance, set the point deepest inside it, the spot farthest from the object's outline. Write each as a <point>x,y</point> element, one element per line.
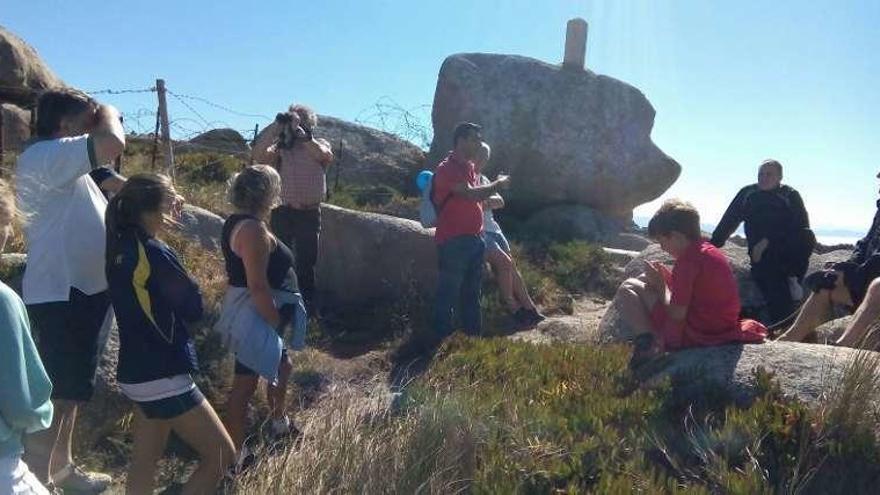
<point>142,193</point>
<point>255,188</point>
<point>675,215</point>
<point>56,104</point>
<point>772,163</point>
<point>464,130</point>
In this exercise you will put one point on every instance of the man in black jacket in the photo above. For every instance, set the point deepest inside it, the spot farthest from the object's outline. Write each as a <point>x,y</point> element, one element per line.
<point>778,234</point>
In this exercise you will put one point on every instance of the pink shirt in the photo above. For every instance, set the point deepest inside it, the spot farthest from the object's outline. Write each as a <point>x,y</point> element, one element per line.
<point>303,181</point>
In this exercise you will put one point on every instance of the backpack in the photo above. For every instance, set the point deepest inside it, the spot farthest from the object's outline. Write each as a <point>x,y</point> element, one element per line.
<point>428,211</point>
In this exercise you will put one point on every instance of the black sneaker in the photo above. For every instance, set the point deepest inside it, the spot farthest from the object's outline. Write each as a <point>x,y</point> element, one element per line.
<point>536,316</point>
<point>523,317</point>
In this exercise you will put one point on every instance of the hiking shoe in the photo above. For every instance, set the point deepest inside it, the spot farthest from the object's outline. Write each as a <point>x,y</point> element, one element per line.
<point>645,349</point>
<point>523,317</point>
<point>75,479</point>
<point>536,316</point>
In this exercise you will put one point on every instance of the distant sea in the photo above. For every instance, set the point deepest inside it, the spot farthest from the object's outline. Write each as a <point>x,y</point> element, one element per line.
<point>827,237</point>
<point>833,240</point>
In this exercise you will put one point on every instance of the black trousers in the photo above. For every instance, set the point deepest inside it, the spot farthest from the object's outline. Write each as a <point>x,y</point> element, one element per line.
<point>299,230</point>
<point>772,280</point>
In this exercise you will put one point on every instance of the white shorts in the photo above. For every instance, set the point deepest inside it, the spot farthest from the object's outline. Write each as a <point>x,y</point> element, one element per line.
<point>17,479</point>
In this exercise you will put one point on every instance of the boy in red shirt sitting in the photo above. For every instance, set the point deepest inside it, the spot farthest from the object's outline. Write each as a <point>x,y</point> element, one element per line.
<point>694,305</point>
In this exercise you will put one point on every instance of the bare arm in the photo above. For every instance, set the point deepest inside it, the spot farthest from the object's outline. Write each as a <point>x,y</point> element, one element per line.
<point>253,244</point>
<point>480,193</point>
<point>112,185</point>
<point>321,150</point>
<point>108,136</point>
<point>494,202</point>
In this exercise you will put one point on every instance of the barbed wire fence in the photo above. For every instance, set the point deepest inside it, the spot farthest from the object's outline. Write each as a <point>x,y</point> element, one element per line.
<point>194,115</point>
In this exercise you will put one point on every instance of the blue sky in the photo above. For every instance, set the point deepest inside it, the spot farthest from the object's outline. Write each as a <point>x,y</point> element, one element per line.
<point>732,83</point>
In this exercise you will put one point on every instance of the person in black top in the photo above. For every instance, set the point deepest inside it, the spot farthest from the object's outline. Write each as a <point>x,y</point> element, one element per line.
<point>258,261</point>
<point>778,234</point>
<point>154,298</point>
<point>853,284</point>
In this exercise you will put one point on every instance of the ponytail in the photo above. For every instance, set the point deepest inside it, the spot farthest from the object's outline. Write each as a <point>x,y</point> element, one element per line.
<point>142,193</point>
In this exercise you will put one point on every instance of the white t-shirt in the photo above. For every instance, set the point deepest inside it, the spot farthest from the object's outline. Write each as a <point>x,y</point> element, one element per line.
<point>64,220</point>
<point>489,223</point>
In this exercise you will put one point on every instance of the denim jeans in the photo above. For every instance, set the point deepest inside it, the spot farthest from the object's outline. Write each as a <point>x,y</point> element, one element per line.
<point>460,279</point>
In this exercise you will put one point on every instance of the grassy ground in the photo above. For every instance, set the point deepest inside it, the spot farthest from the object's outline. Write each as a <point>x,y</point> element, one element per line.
<point>498,416</point>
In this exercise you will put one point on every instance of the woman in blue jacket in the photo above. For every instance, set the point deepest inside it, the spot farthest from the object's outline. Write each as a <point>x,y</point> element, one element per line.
<point>24,386</point>
<point>154,298</point>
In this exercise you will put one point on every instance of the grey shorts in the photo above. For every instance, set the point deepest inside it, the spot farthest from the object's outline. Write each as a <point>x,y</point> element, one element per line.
<point>496,240</point>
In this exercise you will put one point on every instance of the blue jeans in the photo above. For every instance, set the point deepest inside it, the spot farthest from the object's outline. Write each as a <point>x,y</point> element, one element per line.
<point>460,278</point>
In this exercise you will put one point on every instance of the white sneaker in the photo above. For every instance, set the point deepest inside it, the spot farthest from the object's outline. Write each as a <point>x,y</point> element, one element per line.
<point>797,291</point>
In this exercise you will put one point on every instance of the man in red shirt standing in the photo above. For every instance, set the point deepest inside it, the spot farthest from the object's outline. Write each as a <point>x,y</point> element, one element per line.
<point>457,195</point>
<point>696,304</point>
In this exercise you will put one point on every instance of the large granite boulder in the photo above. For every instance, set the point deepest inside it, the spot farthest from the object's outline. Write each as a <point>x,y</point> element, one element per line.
<point>573,222</point>
<point>368,257</point>
<point>202,226</point>
<point>22,72</point>
<point>564,136</point>
<point>364,156</point>
<point>16,127</point>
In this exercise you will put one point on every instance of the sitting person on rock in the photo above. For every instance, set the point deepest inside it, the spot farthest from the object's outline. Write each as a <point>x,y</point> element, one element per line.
<point>696,304</point>
<point>24,386</point>
<point>510,282</point>
<point>779,238</point>
<point>154,299</point>
<point>853,284</point>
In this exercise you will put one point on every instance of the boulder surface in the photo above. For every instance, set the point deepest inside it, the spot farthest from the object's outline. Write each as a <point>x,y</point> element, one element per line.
<point>570,137</point>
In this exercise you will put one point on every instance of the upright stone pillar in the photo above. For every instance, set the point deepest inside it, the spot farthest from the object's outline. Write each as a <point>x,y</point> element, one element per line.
<point>575,44</point>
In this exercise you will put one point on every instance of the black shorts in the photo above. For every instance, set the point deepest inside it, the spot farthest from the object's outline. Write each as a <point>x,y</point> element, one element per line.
<point>71,337</point>
<point>172,407</point>
<point>241,369</point>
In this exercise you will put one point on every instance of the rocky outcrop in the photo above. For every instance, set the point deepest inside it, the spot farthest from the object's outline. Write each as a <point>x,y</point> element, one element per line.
<point>16,127</point>
<point>573,222</point>
<point>202,226</point>
<point>570,137</point>
<point>364,156</point>
<point>22,72</point>
<point>218,140</point>
<point>367,257</point>
<point>808,372</point>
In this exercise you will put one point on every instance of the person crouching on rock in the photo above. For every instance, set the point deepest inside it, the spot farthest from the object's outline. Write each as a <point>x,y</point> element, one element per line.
<point>696,304</point>
<point>24,401</point>
<point>510,282</point>
<point>153,297</point>
<point>262,300</point>
<point>853,284</point>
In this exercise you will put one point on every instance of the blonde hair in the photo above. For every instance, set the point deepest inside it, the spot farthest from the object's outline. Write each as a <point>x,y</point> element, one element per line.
<point>255,189</point>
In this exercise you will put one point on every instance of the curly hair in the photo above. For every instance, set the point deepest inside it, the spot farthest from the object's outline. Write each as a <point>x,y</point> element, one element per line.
<point>307,116</point>
<point>255,189</point>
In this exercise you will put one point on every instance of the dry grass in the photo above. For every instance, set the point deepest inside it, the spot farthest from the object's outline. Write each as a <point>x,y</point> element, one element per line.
<point>353,443</point>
